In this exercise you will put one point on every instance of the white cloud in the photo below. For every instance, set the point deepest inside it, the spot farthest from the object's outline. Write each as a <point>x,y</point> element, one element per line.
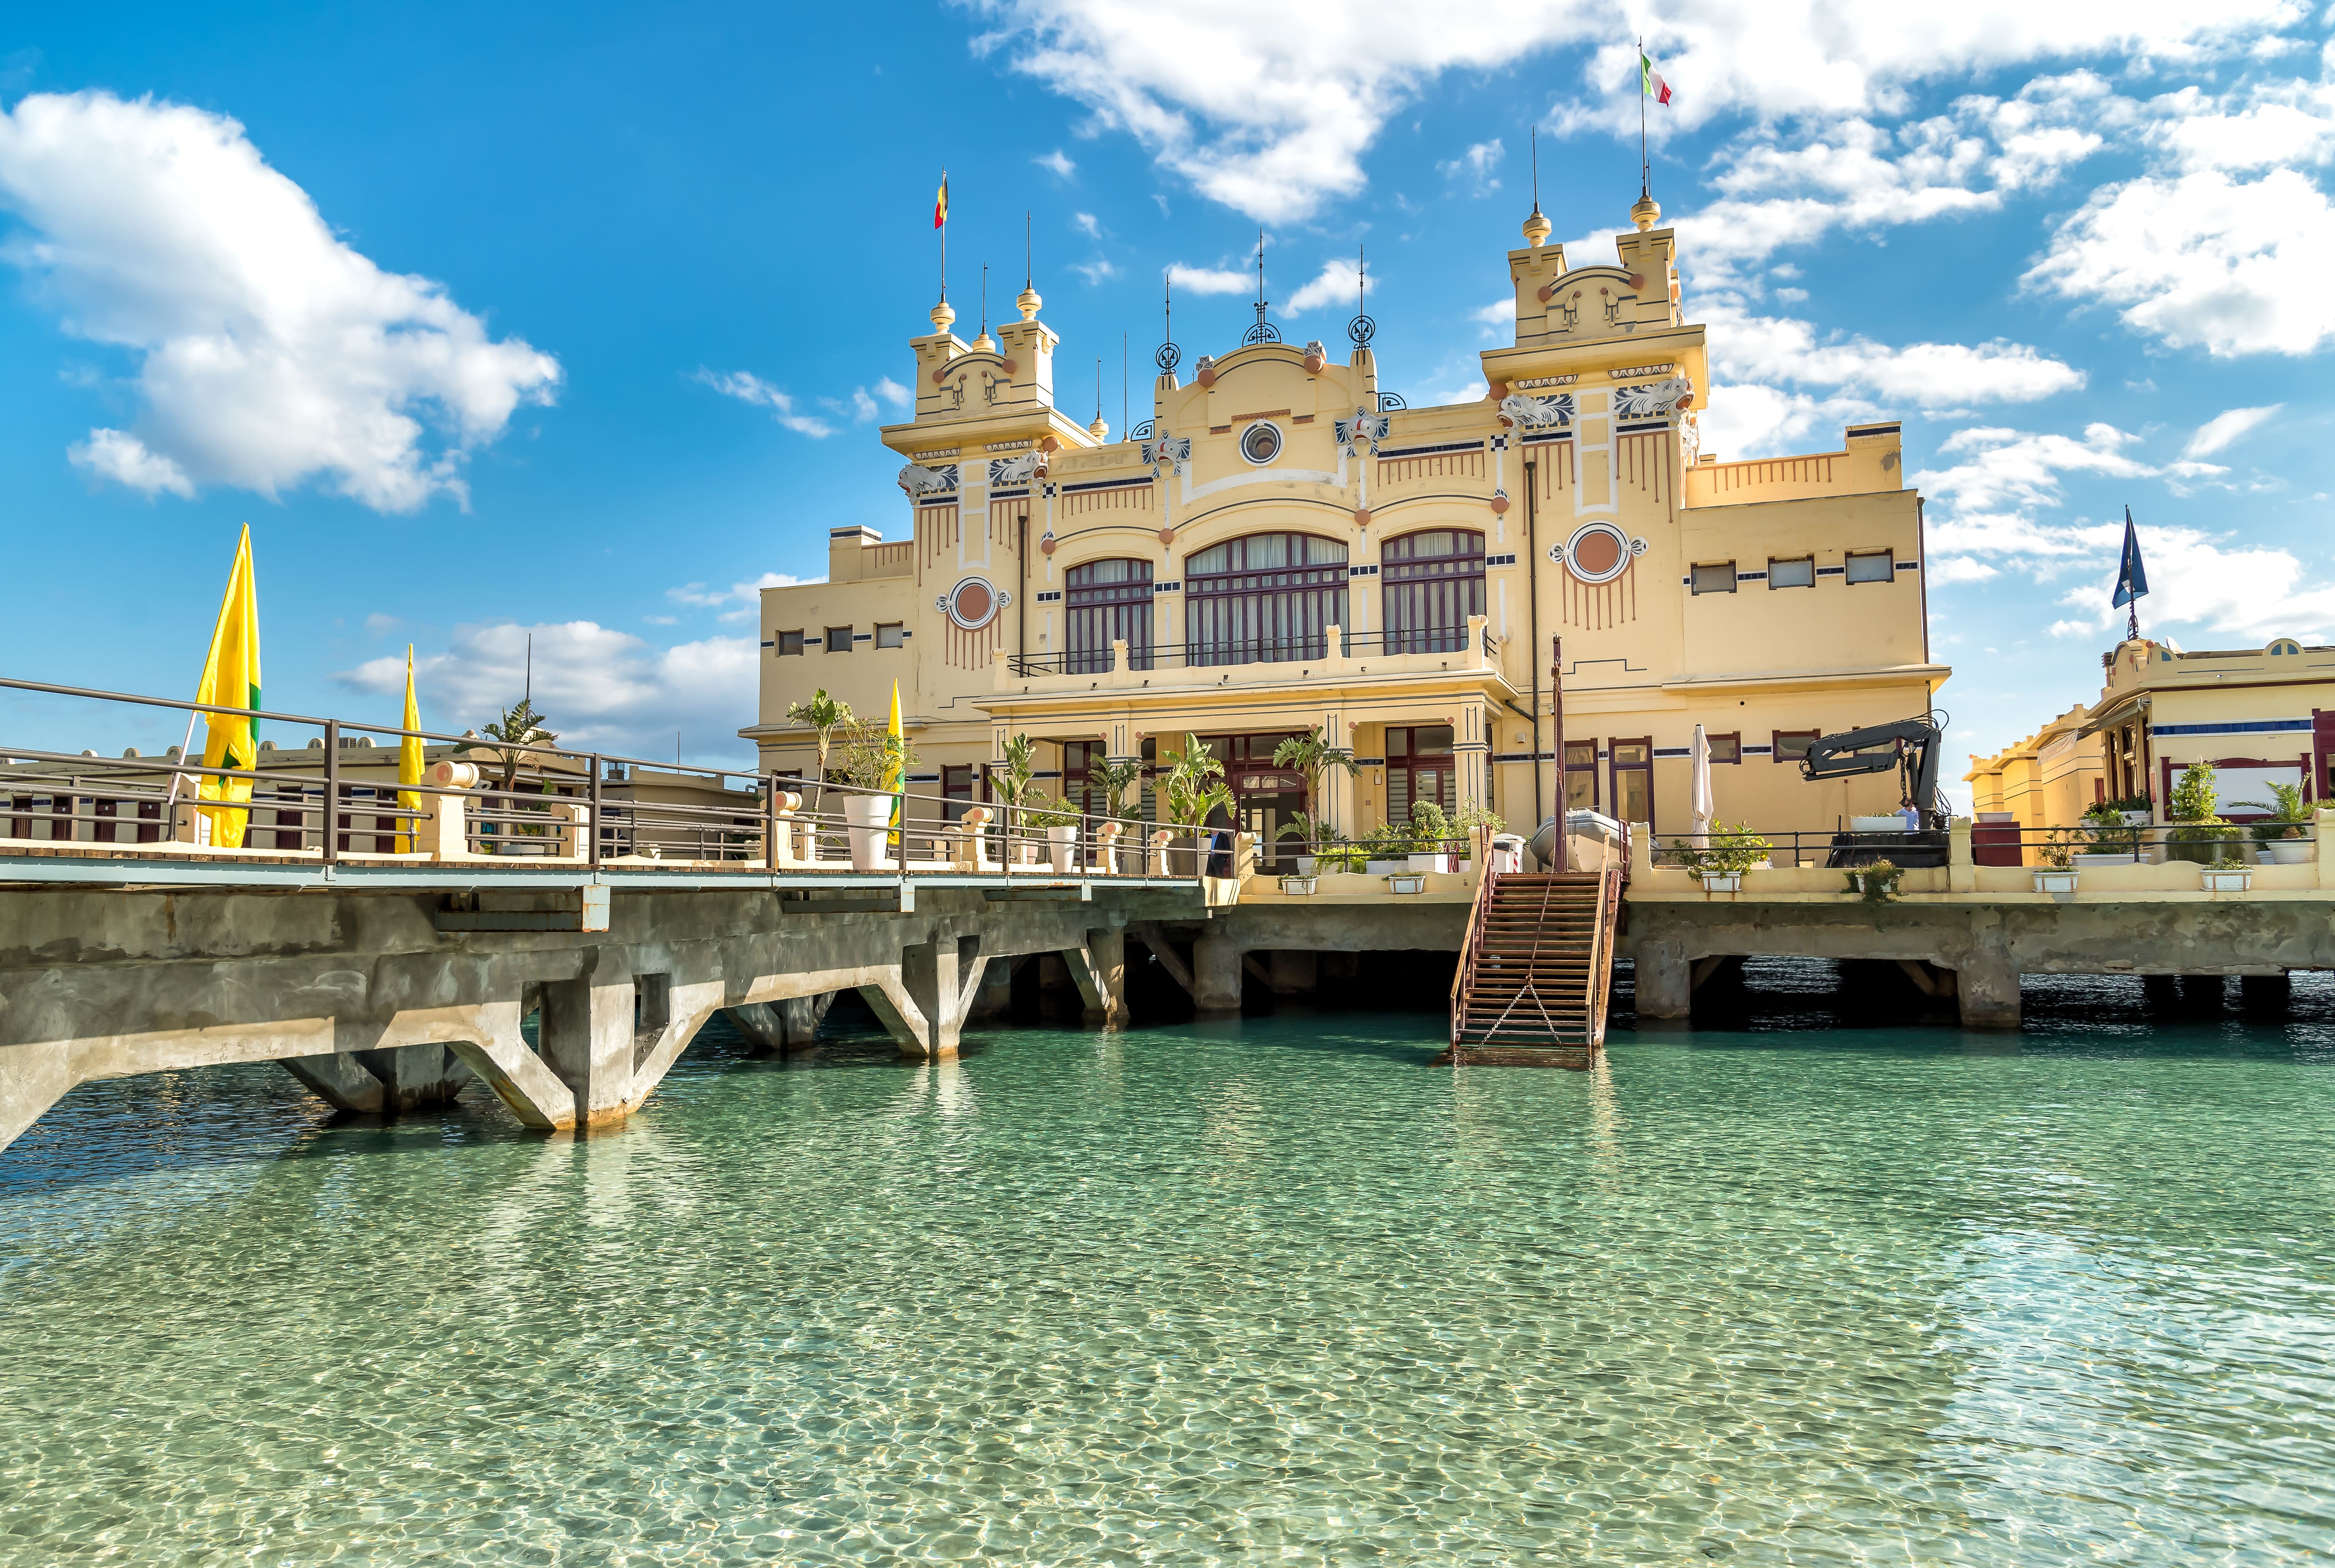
<point>272,354</point>
<point>601,689</point>
<point>2244,594</point>
<point>1947,571</point>
<point>1338,282</point>
<point>2225,428</point>
<point>1097,270</point>
<point>1209,279</point>
<point>1500,314</point>
<point>1057,164</point>
<point>898,396</point>
<point>380,625</point>
<point>1085,223</point>
<point>1268,109</point>
<point>749,388</point>
<point>1752,420</point>
<point>1476,166</point>
<point>2200,260</point>
<point>2003,468</point>
<point>1929,375</point>
<point>745,598</point>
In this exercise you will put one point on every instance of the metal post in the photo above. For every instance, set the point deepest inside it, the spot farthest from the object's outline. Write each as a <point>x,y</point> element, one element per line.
<point>1532,604</point>
<point>771,822</point>
<point>594,808</point>
<point>331,790</point>
<point>1556,713</point>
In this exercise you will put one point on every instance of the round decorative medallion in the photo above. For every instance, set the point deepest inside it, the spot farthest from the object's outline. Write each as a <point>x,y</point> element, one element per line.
<point>1361,517</point>
<point>973,604</point>
<point>1261,442</point>
<point>1046,544</point>
<point>1597,553</point>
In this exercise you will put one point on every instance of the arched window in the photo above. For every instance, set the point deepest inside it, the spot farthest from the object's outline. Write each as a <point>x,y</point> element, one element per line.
<point>1432,582</point>
<point>1263,599</point>
<point>1105,602</point>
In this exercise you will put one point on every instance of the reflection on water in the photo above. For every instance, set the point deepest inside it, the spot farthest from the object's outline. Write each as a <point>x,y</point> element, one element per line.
<point>1752,1293</point>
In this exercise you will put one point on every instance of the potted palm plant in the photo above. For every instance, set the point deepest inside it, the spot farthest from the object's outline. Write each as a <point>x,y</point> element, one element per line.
<point>2200,834</point>
<point>1058,821</point>
<point>1010,785</point>
<point>1195,787</point>
<point>2279,840</point>
<point>1311,757</point>
<point>2106,839</point>
<point>823,715</point>
<point>868,759</point>
<point>2056,871</point>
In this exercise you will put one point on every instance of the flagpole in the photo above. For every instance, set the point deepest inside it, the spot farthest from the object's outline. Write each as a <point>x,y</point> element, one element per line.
<point>1644,168</point>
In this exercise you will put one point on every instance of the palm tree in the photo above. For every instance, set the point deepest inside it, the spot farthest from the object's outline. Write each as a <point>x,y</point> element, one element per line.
<point>1122,781</point>
<point>518,727</point>
<point>1313,757</point>
<point>1195,784</point>
<point>1011,784</point>
<point>824,715</point>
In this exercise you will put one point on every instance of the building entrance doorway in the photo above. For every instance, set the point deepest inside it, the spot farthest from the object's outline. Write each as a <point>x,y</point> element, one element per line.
<point>1264,797</point>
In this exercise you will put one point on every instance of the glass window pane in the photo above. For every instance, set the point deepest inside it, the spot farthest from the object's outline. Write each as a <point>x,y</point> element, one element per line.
<point>1398,742</point>
<point>1581,790</point>
<point>1716,577</point>
<point>1872,566</point>
<point>1725,748</point>
<point>892,636</point>
<point>1581,753</point>
<point>1633,795</point>
<point>1435,737</point>
<point>839,639</point>
<point>1798,572</point>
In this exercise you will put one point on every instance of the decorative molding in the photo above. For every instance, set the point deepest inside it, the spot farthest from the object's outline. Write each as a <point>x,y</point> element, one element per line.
<point>1362,432</point>
<point>920,480</point>
<point>1536,413</point>
<point>1659,397</point>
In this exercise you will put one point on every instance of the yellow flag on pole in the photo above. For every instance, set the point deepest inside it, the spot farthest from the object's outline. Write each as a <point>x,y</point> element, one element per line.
<point>231,679</point>
<point>896,750</point>
<point>409,754</point>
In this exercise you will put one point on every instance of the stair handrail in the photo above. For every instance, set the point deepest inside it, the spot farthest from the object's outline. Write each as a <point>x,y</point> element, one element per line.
<point>1600,958</point>
<point>1463,979</point>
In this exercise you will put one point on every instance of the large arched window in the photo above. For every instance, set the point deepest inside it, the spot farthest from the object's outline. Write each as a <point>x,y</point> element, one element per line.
<point>1263,599</point>
<point>1432,583</point>
<point>1107,602</point>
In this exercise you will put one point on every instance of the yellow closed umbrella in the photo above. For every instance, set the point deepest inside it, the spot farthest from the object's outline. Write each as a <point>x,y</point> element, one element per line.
<point>231,679</point>
<point>409,754</point>
<point>896,752</point>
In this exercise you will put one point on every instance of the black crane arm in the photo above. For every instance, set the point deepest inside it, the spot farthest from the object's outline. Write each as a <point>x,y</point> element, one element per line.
<point>1847,754</point>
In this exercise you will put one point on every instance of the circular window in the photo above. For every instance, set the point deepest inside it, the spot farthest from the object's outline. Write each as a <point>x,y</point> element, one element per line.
<point>1261,442</point>
<point>973,604</point>
<point>1597,553</point>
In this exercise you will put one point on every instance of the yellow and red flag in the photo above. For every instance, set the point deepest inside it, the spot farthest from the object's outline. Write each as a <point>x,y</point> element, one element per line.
<point>231,679</point>
<point>940,202</point>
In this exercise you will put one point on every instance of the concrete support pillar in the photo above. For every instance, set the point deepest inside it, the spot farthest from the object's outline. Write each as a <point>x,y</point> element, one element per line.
<point>1100,971</point>
<point>995,999</point>
<point>340,1079</point>
<point>415,1076</point>
<point>939,979</point>
<point>2162,993</point>
<point>776,1027</point>
<point>1216,976</point>
<point>1987,987</point>
<point>587,1038</point>
<point>2201,995</point>
<point>1665,981</point>
<point>33,1078</point>
<point>2266,995</point>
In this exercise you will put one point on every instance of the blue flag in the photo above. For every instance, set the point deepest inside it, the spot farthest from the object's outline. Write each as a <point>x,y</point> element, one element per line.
<point>2132,578</point>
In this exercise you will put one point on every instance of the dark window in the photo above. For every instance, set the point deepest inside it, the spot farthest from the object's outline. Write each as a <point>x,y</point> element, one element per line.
<point>839,639</point>
<point>956,790</point>
<point>1108,601</point>
<point>1798,571</point>
<point>1418,768</point>
<point>1871,567</point>
<point>1725,747</point>
<point>1581,775</point>
<point>1263,599</point>
<point>1792,745</point>
<point>891,635</point>
<point>1433,581</point>
<point>788,642</point>
<point>1633,781</point>
<point>1714,577</point>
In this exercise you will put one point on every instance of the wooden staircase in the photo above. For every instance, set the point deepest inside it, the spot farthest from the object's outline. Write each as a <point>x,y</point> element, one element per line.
<point>1533,980</point>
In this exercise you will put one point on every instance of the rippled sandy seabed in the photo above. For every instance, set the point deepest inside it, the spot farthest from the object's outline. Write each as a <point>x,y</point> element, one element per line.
<point>1271,1291</point>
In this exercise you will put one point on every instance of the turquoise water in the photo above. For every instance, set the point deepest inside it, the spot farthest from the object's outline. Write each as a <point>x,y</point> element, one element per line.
<point>1265,1292</point>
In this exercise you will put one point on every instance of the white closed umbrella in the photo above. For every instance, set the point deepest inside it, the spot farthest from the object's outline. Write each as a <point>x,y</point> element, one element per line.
<point>1701,790</point>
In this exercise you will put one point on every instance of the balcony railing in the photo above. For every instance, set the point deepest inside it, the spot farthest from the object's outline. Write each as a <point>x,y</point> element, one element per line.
<point>1291,650</point>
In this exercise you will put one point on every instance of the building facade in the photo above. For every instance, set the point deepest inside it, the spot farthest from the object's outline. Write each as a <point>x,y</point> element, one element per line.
<point>1281,545</point>
<point>2260,716</point>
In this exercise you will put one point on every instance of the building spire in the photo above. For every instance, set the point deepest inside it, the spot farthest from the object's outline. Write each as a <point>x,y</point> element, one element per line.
<point>1028,300</point>
<point>1645,212</point>
<point>985,344</point>
<point>1169,355</point>
<point>1098,429</point>
<point>1263,331</point>
<point>1537,227</point>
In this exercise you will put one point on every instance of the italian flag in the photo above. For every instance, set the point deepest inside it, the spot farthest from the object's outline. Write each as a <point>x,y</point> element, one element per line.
<point>1650,80</point>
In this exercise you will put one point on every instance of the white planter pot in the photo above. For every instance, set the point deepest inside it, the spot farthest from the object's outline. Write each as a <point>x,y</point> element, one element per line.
<point>2084,862</point>
<point>2290,851</point>
<point>1406,882</point>
<point>1427,863</point>
<point>2134,819</point>
<point>2228,878</point>
<point>1062,847</point>
<point>868,819</point>
<point>2052,879</point>
<point>1722,882</point>
<point>1299,886</point>
<point>1308,866</point>
<point>1384,867</point>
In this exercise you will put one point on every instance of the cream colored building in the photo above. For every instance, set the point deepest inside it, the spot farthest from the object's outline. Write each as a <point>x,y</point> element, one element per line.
<point>1281,545</point>
<point>2260,716</point>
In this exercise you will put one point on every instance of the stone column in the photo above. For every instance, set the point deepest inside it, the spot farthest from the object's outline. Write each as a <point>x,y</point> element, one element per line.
<point>1987,987</point>
<point>932,975</point>
<point>587,1039</point>
<point>2266,995</point>
<point>1216,977</point>
<point>415,1075</point>
<point>1295,971</point>
<point>1103,986</point>
<point>1665,981</point>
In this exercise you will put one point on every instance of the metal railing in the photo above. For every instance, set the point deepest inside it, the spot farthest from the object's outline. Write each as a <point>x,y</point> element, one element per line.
<point>1290,650</point>
<point>2011,844</point>
<point>540,802</point>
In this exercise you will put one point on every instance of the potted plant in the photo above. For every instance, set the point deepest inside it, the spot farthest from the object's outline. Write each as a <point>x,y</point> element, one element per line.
<point>1433,827</point>
<point>1195,787</point>
<point>2106,837</point>
<point>1730,852</point>
<point>868,758</point>
<point>1386,850</point>
<point>1309,833</point>
<point>2133,810</point>
<point>2058,871</point>
<point>1012,785</point>
<point>2279,839</point>
<point>1312,758</point>
<point>1877,881</point>
<point>1302,886</point>
<point>1058,820</point>
<point>2198,833</point>
<point>823,715</point>
<point>1406,882</point>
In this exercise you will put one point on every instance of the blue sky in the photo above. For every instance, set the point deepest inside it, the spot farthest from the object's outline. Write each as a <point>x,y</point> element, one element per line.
<point>578,320</point>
